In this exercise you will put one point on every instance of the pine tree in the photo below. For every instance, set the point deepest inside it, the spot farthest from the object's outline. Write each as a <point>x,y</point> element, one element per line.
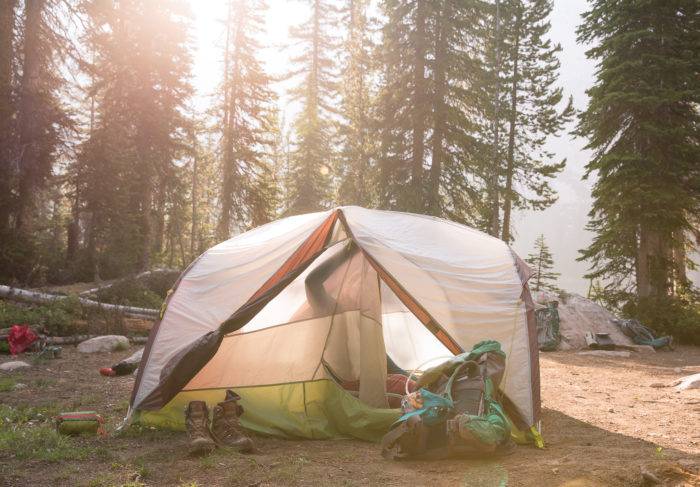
<point>542,264</point>
<point>7,112</point>
<point>532,114</point>
<point>309,175</point>
<point>127,174</point>
<point>358,146</point>
<point>248,124</point>
<point>455,187</point>
<point>517,109</point>
<point>405,105</point>
<point>641,124</point>
<point>35,127</point>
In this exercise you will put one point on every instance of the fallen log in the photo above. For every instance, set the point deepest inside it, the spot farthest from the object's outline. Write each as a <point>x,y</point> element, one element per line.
<point>117,281</point>
<point>17,294</point>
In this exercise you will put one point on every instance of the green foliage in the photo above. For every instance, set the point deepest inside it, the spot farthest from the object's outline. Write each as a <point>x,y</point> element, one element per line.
<point>40,443</point>
<point>130,292</point>
<point>7,384</point>
<point>57,318</point>
<point>641,124</point>
<point>20,415</point>
<point>308,180</point>
<point>247,120</point>
<point>542,264</point>
<point>668,316</point>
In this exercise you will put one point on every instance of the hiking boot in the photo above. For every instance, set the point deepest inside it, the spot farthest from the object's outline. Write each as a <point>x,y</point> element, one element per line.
<point>197,421</point>
<point>225,427</point>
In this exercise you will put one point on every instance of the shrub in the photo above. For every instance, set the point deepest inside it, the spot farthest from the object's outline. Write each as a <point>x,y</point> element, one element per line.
<point>57,318</point>
<point>130,292</point>
<point>673,316</point>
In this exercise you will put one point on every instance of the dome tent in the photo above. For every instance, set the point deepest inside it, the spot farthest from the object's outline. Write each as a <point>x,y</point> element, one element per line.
<point>286,311</point>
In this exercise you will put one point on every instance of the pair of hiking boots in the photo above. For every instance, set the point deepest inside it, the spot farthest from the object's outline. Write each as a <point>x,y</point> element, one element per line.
<point>225,428</point>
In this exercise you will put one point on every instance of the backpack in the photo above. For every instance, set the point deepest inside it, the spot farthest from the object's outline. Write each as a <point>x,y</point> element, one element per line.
<point>454,411</point>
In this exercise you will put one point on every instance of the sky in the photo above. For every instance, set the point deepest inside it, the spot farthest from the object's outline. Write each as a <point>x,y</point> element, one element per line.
<point>563,224</point>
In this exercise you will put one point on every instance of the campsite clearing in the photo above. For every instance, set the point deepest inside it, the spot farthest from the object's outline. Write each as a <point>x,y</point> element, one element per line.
<point>602,422</point>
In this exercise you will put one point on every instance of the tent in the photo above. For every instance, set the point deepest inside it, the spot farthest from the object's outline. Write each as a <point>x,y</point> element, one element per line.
<point>286,313</point>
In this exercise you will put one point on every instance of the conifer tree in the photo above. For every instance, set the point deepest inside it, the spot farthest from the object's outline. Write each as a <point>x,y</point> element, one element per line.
<point>542,264</point>
<point>358,146</point>
<point>405,105</point>
<point>248,124</point>
<point>7,111</point>
<point>518,108</point>
<point>127,174</point>
<point>309,177</point>
<point>455,186</point>
<point>641,124</point>
<point>532,108</point>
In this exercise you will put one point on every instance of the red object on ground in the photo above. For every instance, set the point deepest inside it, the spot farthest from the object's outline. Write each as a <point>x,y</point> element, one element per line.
<point>396,384</point>
<point>20,338</point>
<point>108,371</point>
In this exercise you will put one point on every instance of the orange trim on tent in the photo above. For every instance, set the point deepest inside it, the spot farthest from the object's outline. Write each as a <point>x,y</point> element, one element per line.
<point>315,242</point>
<point>408,300</point>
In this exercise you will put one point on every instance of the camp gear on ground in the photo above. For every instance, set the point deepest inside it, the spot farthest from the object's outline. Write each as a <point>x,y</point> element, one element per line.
<point>396,384</point>
<point>225,427</point>
<point>80,422</point>
<point>20,338</point>
<point>599,341</point>
<point>548,336</point>
<point>197,423</point>
<point>124,367</point>
<point>50,352</point>
<point>250,314</point>
<point>459,416</point>
<point>642,335</point>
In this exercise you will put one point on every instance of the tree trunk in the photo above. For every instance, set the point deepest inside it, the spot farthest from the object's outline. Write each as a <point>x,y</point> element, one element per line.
<point>440,114</point>
<point>29,101</point>
<point>654,263</point>
<point>494,224</point>
<point>419,108</point>
<point>37,297</point>
<point>193,229</point>
<point>7,109</point>
<point>513,118</point>
<point>224,226</point>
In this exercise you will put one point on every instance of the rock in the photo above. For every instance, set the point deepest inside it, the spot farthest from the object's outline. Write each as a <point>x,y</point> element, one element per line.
<point>689,382</point>
<point>106,343</point>
<point>658,385</point>
<point>14,365</point>
<point>605,353</point>
<point>19,386</point>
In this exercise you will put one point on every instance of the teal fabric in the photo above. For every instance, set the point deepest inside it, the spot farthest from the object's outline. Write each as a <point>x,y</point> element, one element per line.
<point>434,408</point>
<point>493,427</point>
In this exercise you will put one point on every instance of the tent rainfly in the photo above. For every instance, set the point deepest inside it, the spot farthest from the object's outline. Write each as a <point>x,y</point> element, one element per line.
<point>286,312</point>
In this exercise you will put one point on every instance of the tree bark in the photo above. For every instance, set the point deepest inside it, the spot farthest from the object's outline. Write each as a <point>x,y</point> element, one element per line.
<point>7,109</point>
<point>224,226</point>
<point>440,113</point>
<point>513,118</point>
<point>17,294</point>
<point>494,224</point>
<point>29,100</point>
<point>419,108</point>
<point>193,228</point>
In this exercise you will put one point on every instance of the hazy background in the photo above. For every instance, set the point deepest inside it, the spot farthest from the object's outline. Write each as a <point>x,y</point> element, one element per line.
<point>563,224</point>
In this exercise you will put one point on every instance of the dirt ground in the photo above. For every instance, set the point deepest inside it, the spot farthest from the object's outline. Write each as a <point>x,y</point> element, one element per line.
<point>604,420</point>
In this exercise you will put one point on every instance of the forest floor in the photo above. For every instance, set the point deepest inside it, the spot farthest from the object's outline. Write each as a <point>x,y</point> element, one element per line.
<point>604,419</point>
